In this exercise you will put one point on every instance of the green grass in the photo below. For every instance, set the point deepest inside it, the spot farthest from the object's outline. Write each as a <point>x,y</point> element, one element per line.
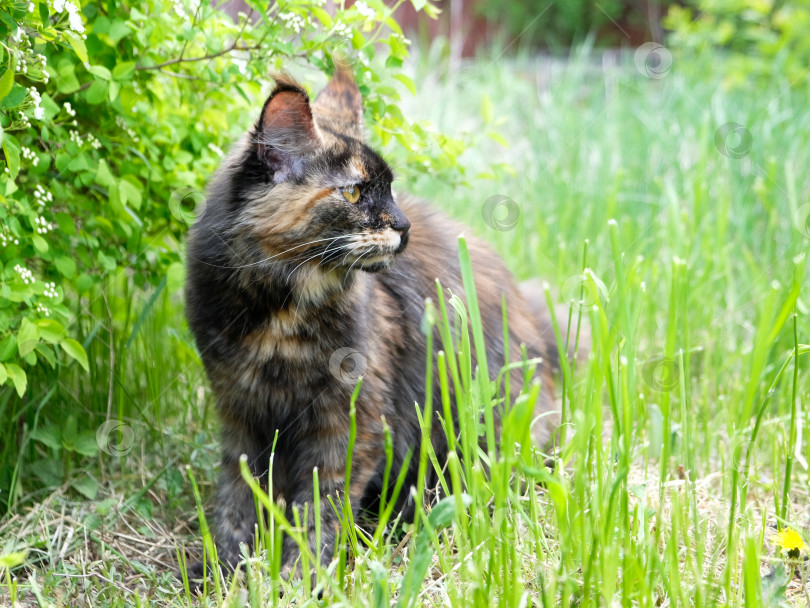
<point>680,450</point>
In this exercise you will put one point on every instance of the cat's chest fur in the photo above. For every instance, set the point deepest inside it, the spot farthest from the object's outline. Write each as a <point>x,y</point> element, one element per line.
<point>280,360</point>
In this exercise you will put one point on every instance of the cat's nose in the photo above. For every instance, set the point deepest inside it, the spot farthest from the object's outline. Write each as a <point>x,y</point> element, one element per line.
<point>400,223</point>
<point>402,227</point>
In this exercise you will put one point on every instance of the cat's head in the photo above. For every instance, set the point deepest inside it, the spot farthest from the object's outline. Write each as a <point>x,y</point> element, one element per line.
<point>318,194</point>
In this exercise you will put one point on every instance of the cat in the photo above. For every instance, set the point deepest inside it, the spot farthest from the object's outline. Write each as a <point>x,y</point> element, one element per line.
<point>304,256</point>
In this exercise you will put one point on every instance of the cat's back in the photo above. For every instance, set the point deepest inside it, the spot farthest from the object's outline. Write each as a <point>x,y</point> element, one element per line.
<point>432,253</point>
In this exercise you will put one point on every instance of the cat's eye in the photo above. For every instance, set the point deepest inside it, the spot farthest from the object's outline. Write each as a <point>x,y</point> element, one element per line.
<point>351,193</point>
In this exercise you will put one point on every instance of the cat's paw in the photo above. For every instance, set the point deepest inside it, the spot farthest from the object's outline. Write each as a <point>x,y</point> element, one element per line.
<point>292,572</point>
<point>196,573</point>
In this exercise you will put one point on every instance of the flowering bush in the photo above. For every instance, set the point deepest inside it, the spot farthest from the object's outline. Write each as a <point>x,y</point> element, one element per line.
<point>112,116</point>
<point>765,39</point>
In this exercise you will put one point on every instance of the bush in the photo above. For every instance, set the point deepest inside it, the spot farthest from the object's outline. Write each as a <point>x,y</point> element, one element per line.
<point>559,23</point>
<point>113,115</point>
<point>765,39</point>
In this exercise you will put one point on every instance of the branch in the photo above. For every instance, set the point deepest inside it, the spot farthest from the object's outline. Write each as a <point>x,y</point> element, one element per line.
<point>230,49</point>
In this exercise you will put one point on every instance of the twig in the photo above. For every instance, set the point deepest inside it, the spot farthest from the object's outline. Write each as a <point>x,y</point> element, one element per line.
<point>233,47</point>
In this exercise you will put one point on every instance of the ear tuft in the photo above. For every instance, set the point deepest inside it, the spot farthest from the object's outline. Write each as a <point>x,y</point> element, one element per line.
<point>340,104</point>
<point>286,131</point>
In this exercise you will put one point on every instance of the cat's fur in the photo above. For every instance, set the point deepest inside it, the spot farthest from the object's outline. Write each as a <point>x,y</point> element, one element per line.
<point>284,272</point>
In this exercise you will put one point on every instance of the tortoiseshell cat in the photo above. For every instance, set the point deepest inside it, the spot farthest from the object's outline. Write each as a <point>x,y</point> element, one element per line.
<point>304,250</point>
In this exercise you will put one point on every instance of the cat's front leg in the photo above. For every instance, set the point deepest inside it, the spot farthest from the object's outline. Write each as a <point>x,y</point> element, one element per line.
<point>235,515</point>
<point>235,508</point>
<point>332,481</point>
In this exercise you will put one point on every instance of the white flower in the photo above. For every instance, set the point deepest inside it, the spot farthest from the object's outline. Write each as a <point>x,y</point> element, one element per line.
<point>58,5</point>
<point>292,20</point>
<point>30,7</point>
<point>26,275</point>
<point>39,112</point>
<point>42,196</point>
<point>42,225</point>
<point>365,10</point>
<point>76,23</point>
<point>342,29</point>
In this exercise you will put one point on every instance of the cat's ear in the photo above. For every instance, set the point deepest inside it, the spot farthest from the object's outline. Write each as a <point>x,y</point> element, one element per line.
<point>340,104</point>
<point>286,133</point>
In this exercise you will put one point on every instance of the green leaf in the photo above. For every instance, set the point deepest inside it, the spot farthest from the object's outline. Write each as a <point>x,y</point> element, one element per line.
<point>119,29</point>
<point>357,39</point>
<point>86,443</point>
<point>66,223</point>
<point>115,88</point>
<point>49,435</point>
<point>49,471</point>
<point>12,560</point>
<point>444,512</point>
<point>7,81</point>
<point>46,351</point>
<point>398,48</point>
<point>432,11</point>
<point>80,163</point>
<point>487,113</point>
<point>75,350</point>
<point>407,82</point>
<point>66,266</point>
<point>86,486</point>
<point>124,70</point>
<point>15,98</point>
<point>321,15</point>
<point>40,244</point>
<point>419,4</point>
<point>27,337</point>
<point>129,194</point>
<point>12,151</point>
<point>497,137</point>
<point>78,45</point>
<point>18,377</point>
<point>97,92</point>
<point>103,175</point>
<point>7,347</point>
<point>100,71</point>
<point>50,330</point>
<point>3,374</point>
